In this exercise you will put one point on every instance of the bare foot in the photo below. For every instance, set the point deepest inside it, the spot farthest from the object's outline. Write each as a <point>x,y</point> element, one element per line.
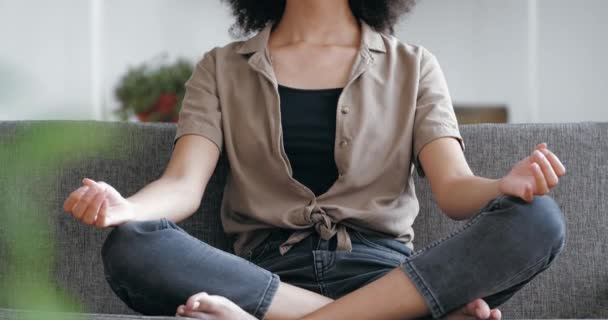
<point>476,309</point>
<point>204,306</point>
<point>207,307</point>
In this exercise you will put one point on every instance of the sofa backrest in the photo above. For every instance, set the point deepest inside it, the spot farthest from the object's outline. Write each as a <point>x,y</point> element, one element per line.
<point>576,286</point>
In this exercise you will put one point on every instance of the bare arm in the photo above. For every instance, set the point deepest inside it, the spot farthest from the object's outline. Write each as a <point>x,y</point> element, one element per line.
<point>460,193</point>
<point>177,193</point>
<point>457,190</point>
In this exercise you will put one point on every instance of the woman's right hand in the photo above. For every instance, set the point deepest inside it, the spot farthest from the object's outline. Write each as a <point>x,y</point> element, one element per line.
<point>99,204</point>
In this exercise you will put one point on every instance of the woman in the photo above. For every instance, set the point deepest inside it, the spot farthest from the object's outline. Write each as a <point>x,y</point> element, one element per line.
<point>322,116</point>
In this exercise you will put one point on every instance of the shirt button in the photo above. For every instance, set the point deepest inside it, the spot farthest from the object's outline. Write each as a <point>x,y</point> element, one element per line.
<point>344,144</point>
<point>345,110</point>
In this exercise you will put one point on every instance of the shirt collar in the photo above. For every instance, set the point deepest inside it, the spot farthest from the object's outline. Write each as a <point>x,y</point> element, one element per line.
<point>371,40</point>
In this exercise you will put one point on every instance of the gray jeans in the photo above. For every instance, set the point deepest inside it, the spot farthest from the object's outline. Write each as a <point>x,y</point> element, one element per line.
<point>154,266</point>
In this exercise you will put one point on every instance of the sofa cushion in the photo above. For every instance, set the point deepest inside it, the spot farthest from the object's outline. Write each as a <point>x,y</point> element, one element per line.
<point>576,286</point>
<point>12,314</point>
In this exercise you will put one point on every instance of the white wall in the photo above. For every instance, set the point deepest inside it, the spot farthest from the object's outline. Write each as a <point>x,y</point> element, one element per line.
<point>540,57</point>
<point>573,52</point>
<point>137,31</point>
<point>482,47</point>
<point>44,59</point>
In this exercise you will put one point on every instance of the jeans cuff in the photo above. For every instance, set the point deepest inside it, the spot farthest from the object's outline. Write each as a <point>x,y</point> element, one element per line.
<point>269,293</point>
<point>436,311</point>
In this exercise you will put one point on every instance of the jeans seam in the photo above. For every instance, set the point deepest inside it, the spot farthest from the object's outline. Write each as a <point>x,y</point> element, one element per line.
<point>429,297</point>
<point>319,275</point>
<point>436,309</point>
<point>120,291</point>
<point>495,203</point>
<point>451,235</point>
<point>164,223</point>
<point>526,269</point>
<point>264,303</point>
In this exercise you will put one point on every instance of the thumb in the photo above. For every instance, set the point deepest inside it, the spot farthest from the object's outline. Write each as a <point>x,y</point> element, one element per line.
<point>89,182</point>
<point>528,192</point>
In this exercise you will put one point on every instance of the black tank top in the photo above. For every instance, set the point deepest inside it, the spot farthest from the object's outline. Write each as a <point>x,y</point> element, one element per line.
<point>308,118</point>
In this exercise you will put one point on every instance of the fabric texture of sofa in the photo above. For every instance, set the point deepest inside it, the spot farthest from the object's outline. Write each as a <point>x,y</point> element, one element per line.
<point>576,286</point>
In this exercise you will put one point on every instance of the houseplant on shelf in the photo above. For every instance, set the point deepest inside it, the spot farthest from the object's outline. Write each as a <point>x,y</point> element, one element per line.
<point>154,93</point>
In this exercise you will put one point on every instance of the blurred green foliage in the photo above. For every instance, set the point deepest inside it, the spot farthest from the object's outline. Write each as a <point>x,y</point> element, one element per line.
<point>30,165</point>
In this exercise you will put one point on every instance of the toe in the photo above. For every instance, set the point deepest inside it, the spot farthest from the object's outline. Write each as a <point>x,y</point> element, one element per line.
<point>496,314</point>
<point>479,309</point>
<point>194,302</point>
<point>203,302</point>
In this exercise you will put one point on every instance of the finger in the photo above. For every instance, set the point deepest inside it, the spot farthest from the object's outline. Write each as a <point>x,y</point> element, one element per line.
<point>547,168</point>
<point>99,184</point>
<point>84,202</point>
<point>539,178</point>
<point>73,198</point>
<point>92,211</point>
<point>89,182</point>
<point>557,165</point>
<point>76,207</point>
<point>528,192</point>
<point>541,145</point>
<point>102,218</point>
<point>102,184</point>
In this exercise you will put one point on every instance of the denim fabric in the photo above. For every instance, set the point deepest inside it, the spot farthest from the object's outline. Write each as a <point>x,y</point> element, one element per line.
<point>315,264</point>
<point>494,255</point>
<point>154,266</point>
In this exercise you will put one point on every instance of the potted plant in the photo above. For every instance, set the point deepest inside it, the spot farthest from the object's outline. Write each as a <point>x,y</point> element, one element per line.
<point>154,93</point>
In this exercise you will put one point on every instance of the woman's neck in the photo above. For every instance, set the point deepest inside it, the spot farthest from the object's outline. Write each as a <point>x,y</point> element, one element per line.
<point>317,22</point>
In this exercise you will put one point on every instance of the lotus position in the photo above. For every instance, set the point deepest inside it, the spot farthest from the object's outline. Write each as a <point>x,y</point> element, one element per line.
<point>324,116</point>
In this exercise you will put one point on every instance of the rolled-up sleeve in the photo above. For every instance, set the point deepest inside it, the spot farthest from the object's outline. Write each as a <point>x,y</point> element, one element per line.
<point>201,113</point>
<point>434,115</point>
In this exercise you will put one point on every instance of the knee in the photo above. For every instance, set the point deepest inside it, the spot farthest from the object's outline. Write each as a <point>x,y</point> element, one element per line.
<point>123,247</point>
<point>117,246</point>
<point>540,222</point>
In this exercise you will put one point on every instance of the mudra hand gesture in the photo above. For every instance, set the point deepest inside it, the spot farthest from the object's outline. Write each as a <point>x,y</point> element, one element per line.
<point>534,175</point>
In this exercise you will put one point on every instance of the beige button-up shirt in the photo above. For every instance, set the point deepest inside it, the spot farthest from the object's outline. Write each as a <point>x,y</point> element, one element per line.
<point>395,102</point>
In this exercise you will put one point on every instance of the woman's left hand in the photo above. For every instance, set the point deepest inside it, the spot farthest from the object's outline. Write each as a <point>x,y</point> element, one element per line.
<point>534,175</point>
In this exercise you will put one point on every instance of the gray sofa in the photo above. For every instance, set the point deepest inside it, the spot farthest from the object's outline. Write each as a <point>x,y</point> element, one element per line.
<point>576,286</point>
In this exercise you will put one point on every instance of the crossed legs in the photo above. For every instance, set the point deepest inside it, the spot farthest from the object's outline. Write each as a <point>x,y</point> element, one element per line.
<point>491,257</point>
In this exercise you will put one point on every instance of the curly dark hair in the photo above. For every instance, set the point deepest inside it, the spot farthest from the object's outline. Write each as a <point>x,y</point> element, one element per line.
<point>253,15</point>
